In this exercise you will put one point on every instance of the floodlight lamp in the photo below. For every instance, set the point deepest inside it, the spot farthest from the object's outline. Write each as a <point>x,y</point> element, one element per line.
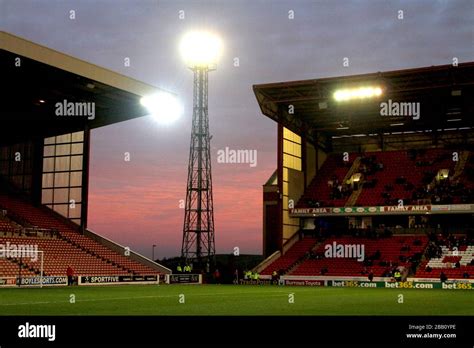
<point>200,49</point>
<point>357,93</point>
<point>163,107</point>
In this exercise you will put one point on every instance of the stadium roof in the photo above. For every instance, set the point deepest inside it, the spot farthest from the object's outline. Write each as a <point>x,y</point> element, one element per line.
<point>45,77</point>
<point>445,94</point>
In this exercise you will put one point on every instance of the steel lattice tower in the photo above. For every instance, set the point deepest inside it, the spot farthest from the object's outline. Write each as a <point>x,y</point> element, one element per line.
<point>198,230</point>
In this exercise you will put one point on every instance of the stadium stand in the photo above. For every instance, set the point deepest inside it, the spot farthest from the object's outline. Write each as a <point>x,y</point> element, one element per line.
<point>10,268</point>
<point>390,176</point>
<point>452,255</point>
<point>324,189</point>
<point>86,256</point>
<point>381,256</point>
<point>294,254</point>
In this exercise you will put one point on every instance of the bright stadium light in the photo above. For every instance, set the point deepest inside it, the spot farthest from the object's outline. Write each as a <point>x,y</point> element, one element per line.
<point>357,93</point>
<point>200,49</point>
<point>164,107</point>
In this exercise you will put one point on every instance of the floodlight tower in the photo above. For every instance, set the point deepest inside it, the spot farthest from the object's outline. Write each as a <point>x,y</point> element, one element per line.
<point>200,51</point>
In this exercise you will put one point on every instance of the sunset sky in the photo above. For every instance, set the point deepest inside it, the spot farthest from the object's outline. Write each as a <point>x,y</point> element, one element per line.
<point>136,203</point>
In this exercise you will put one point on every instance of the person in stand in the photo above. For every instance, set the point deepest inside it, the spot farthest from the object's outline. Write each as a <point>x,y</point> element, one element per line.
<point>179,269</point>
<point>397,275</point>
<point>70,275</point>
<point>274,277</point>
<point>443,277</point>
<point>371,276</point>
<point>236,277</point>
<point>217,276</point>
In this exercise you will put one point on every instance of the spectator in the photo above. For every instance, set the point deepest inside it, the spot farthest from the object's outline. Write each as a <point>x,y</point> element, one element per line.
<point>371,276</point>
<point>236,277</point>
<point>217,276</point>
<point>443,277</point>
<point>397,275</point>
<point>70,275</point>
<point>274,277</point>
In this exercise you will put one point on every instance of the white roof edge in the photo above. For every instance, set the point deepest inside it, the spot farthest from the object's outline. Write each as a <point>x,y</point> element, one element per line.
<point>74,65</point>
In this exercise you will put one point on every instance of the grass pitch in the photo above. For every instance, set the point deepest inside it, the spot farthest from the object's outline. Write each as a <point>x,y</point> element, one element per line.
<point>232,300</point>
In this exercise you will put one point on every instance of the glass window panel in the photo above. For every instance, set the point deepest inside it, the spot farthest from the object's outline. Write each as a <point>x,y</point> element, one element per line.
<point>285,188</point>
<point>61,179</point>
<point>75,212</point>
<point>49,151</point>
<point>62,163</point>
<point>65,138</point>
<point>77,149</point>
<point>61,209</point>
<point>298,150</point>
<point>47,196</point>
<point>75,193</point>
<point>63,150</point>
<point>78,136</point>
<point>286,218</point>
<point>76,221</point>
<point>287,134</point>
<point>297,164</point>
<point>48,164</point>
<point>60,196</point>
<point>50,140</point>
<point>76,162</point>
<point>47,180</point>
<point>76,178</point>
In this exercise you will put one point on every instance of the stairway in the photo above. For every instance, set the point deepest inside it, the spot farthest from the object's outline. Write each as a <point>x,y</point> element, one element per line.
<point>460,165</point>
<point>301,259</point>
<point>355,194</point>
<point>92,253</point>
<point>352,170</point>
<point>458,169</point>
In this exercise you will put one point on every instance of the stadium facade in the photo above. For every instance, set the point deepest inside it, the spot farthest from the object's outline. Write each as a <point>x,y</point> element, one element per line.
<point>52,103</point>
<point>366,155</point>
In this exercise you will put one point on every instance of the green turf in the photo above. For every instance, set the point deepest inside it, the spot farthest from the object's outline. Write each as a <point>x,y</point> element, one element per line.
<point>233,300</point>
